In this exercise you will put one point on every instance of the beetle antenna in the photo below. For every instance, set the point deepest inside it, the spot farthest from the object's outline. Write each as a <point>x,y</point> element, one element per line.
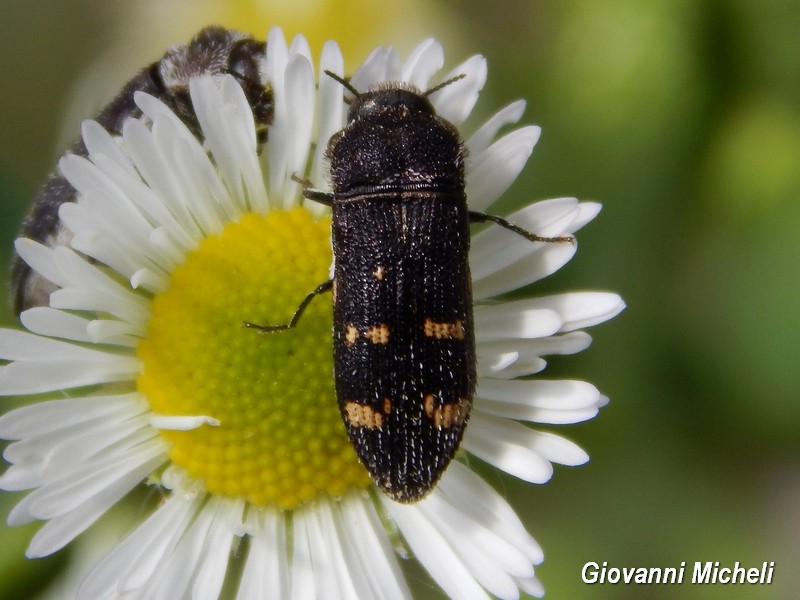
<point>445,83</point>
<point>345,83</point>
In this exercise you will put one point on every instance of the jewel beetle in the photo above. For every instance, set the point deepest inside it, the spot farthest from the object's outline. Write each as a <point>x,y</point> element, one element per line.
<point>403,339</point>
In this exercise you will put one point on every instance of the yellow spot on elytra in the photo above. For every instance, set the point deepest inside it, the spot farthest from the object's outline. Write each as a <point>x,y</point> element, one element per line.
<point>378,273</point>
<point>352,335</point>
<point>280,441</point>
<point>448,414</point>
<point>444,331</point>
<point>379,334</point>
<point>363,415</point>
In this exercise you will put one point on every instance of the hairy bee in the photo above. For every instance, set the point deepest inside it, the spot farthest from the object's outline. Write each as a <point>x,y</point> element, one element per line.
<point>213,51</point>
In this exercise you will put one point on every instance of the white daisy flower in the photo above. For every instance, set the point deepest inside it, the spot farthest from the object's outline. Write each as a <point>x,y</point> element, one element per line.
<point>177,242</point>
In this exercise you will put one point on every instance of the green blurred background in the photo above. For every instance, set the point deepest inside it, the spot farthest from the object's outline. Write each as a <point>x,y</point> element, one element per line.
<point>683,118</point>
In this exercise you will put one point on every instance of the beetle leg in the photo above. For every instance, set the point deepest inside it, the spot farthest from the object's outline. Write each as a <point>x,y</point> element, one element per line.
<point>479,217</point>
<point>310,193</point>
<point>320,289</point>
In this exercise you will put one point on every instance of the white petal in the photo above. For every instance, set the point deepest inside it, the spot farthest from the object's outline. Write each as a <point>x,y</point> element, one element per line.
<point>239,118</point>
<point>55,458</point>
<point>565,343</point>
<point>132,562</point>
<point>58,532</point>
<point>491,172</point>
<point>45,417</point>
<point>423,62</point>
<point>496,247</point>
<point>206,197</point>
<point>290,133</point>
<point>17,478</point>
<point>153,205</point>
<point>44,320</point>
<point>455,102</point>
<point>277,57</point>
<point>101,240</point>
<point>145,201</point>
<point>495,360</point>
<point>519,450</point>
<point>99,143</point>
<point>102,299</point>
<point>366,535</point>
<point>157,198</point>
<point>477,498</point>
<point>490,363</point>
<point>300,47</point>
<point>532,587</point>
<point>118,333</point>
<point>229,129</point>
<point>165,175</point>
<point>122,462</point>
<point>155,110</point>
<point>553,394</point>
<point>490,559</point>
<point>41,259</point>
<point>559,449</point>
<point>166,178</point>
<point>434,552</point>
<point>330,117</point>
<point>216,551</point>
<point>541,401</point>
<point>373,70</point>
<point>22,346</point>
<point>319,555</point>
<point>587,211</point>
<point>303,577</point>
<point>182,423</point>
<point>535,263</point>
<point>151,151</point>
<point>266,572</point>
<point>482,138</point>
<point>150,280</point>
<point>394,70</point>
<point>514,320</point>
<point>111,297</point>
<point>333,580</point>
<point>509,358</point>
<point>533,414</point>
<point>171,254</point>
<point>300,95</point>
<point>173,577</point>
<point>102,206</point>
<point>581,309</point>
<point>35,377</point>
<point>507,445</point>
<point>146,557</point>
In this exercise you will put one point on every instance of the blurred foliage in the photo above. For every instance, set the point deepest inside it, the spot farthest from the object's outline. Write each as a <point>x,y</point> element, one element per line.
<point>683,118</point>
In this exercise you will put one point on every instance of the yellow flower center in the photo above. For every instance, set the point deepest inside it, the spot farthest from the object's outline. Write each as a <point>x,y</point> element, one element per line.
<point>280,440</point>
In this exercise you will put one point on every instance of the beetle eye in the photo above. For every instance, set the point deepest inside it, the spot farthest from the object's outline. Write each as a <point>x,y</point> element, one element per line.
<point>243,60</point>
<point>361,107</point>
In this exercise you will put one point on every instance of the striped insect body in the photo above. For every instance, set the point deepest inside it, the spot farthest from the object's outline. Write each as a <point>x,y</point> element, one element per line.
<point>213,51</point>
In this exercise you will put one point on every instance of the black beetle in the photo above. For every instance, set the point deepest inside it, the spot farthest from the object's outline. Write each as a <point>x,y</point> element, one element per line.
<point>403,339</point>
